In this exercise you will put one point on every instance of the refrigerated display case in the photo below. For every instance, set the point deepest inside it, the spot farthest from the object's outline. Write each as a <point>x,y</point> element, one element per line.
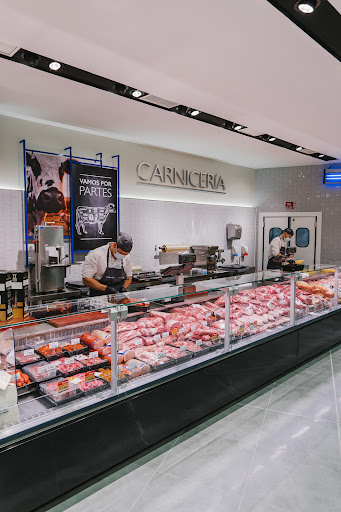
<point>118,374</point>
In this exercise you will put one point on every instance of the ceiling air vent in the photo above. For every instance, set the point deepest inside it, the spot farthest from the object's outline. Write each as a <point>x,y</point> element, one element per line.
<point>160,102</point>
<point>8,49</point>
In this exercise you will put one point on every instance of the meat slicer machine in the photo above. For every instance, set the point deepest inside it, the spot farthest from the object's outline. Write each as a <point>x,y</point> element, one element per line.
<point>179,261</point>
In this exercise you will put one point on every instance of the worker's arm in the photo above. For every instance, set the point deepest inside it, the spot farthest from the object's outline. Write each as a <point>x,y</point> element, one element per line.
<point>94,284</point>
<point>127,282</point>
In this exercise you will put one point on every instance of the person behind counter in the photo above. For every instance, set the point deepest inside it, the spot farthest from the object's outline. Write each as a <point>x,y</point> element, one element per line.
<point>277,248</point>
<point>108,268</point>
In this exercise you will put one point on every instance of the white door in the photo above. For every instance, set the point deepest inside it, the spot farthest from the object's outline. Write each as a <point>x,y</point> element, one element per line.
<point>273,226</point>
<point>304,238</point>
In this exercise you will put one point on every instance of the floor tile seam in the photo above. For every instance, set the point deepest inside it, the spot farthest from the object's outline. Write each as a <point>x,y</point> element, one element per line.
<point>226,436</point>
<point>255,450</point>
<point>153,474</point>
<point>336,404</point>
<point>300,416</point>
<point>301,387</point>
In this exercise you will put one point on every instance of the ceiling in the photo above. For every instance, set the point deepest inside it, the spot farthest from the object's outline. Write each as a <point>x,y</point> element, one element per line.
<point>243,61</point>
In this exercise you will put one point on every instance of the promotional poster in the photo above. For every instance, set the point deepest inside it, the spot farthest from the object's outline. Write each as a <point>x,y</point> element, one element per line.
<point>95,206</point>
<point>47,191</point>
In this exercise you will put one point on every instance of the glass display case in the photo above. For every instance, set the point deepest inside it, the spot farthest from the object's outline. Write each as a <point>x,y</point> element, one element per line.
<point>71,357</point>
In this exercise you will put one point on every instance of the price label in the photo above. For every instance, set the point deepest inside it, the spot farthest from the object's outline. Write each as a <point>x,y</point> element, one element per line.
<point>56,363</point>
<point>251,327</point>
<point>307,310</point>
<point>29,352</point>
<point>93,354</point>
<point>161,355</point>
<point>208,314</point>
<point>182,330</point>
<point>54,344</point>
<point>157,337</point>
<point>131,365</point>
<point>89,376</point>
<point>76,380</point>
<point>204,323</point>
<point>81,357</point>
<point>17,376</point>
<point>119,367</point>
<point>63,386</point>
<point>43,369</point>
<point>198,342</point>
<point>165,335</point>
<point>75,341</point>
<point>215,312</point>
<point>69,361</point>
<point>214,336</point>
<point>183,347</point>
<point>241,328</point>
<point>138,342</point>
<point>175,331</point>
<point>97,374</point>
<point>193,327</point>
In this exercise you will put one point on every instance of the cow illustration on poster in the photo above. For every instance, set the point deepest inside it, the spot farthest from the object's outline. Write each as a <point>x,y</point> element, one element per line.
<point>94,206</point>
<point>47,190</point>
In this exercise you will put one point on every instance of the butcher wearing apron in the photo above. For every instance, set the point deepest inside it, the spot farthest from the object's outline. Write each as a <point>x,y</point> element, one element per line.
<point>275,265</point>
<point>277,247</point>
<point>112,277</point>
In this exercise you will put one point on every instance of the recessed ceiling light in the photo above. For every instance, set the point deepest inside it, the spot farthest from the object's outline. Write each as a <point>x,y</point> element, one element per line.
<point>238,127</point>
<point>195,113</point>
<point>307,6</point>
<point>299,148</point>
<point>54,66</point>
<point>272,139</point>
<point>137,94</point>
<point>320,156</point>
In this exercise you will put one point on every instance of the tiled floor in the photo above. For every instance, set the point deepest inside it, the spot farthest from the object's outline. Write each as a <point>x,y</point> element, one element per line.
<point>279,450</point>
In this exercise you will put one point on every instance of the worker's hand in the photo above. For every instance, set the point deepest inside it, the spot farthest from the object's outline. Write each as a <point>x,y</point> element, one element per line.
<point>123,290</point>
<point>109,290</point>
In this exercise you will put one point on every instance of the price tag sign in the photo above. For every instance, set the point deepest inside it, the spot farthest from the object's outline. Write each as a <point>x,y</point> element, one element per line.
<point>89,376</point>
<point>76,380</point>
<point>75,341</point>
<point>54,344</point>
<point>63,386</point>
<point>165,335</point>
<point>214,336</point>
<point>251,327</point>
<point>157,337</point>
<point>17,376</point>
<point>69,361</point>
<point>208,314</point>
<point>161,355</point>
<point>138,342</point>
<point>183,347</point>
<point>119,367</point>
<point>29,352</point>
<point>198,342</point>
<point>81,357</point>
<point>241,328</point>
<point>182,330</point>
<point>175,331</point>
<point>44,368</point>
<point>93,354</point>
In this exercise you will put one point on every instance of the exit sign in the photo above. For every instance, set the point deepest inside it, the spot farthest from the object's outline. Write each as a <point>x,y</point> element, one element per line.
<point>290,205</point>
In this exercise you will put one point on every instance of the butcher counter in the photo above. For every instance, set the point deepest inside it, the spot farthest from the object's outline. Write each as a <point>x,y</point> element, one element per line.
<point>177,356</point>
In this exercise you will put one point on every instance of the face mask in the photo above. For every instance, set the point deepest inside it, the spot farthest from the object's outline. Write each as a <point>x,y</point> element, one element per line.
<point>119,256</point>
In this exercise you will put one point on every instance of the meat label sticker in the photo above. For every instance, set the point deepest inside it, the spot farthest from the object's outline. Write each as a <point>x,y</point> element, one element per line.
<point>63,386</point>
<point>183,347</point>
<point>198,342</point>
<point>208,314</point>
<point>56,363</point>
<point>215,312</point>
<point>204,323</point>
<point>75,341</point>
<point>29,352</point>
<point>44,368</point>
<point>255,323</point>
<point>89,376</point>
<point>131,365</point>
<point>175,330</point>
<point>241,328</point>
<point>17,376</point>
<point>69,360</point>
<point>54,344</point>
<point>81,357</point>
<point>138,342</point>
<point>161,355</point>
<point>165,335</point>
<point>251,327</point>
<point>93,354</point>
<point>76,380</point>
<point>119,367</point>
<point>182,330</point>
<point>157,337</point>
<point>214,336</point>
<point>193,327</point>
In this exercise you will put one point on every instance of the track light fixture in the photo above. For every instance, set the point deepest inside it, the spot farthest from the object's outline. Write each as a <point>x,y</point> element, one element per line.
<point>194,113</point>
<point>136,93</point>
<point>321,156</point>
<point>299,148</point>
<point>271,139</point>
<point>228,125</point>
<point>181,109</point>
<point>30,58</point>
<point>54,66</point>
<point>119,88</point>
<point>307,6</point>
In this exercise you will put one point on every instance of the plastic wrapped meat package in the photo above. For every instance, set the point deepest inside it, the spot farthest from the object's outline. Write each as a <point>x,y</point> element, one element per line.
<point>59,390</point>
<point>88,384</point>
<point>69,366</point>
<point>27,356</point>
<point>38,372</point>
<point>50,352</point>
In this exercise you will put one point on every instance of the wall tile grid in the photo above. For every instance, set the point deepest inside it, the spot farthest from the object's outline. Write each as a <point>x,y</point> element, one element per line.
<point>149,222</point>
<point>304,185</point>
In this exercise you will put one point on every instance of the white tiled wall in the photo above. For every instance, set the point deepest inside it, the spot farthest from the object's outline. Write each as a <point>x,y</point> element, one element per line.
<point>304,185</point>
<point>149,222</point>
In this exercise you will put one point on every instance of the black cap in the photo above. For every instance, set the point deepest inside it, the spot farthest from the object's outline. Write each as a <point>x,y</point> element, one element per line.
<point>289,231</point>
<point>124,242</point>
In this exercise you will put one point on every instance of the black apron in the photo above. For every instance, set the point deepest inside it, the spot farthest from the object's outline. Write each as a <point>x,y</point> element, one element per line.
<point>113,277</point>
<point>275,265</point>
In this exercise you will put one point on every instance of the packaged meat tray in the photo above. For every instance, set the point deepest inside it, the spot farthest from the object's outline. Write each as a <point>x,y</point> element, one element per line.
<point>40,371</point>
<point>156,361</point>
<point>73,349</point>
<point>59,391</point>
<point>51,351</point>
<point>23,382</point>
<point>27,356</point>
<point>93,362</point>
<point>105,374</point>
<point>88,384</point>
<point>68,366</point>
<point>195,349</point>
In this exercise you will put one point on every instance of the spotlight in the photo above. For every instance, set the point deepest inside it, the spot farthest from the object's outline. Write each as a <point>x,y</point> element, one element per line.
<point>321,156</point>
<point>194,113</point>
<point>30,58</point>
<point>238,127</point>
<point>299,148</point>
<point>54,66</point>
<point>307,6</point>
<point>136,94</point>
<point>272,139</point>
